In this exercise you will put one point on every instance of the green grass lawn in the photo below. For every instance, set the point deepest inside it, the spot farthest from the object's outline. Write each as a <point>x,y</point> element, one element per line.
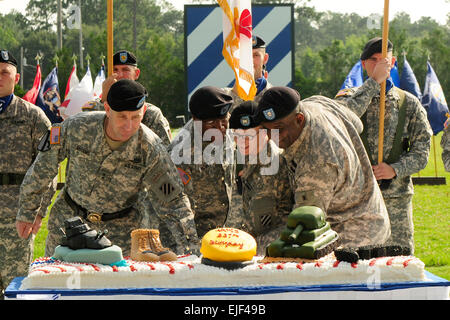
<point>431,206</point>
<point>431,218</point>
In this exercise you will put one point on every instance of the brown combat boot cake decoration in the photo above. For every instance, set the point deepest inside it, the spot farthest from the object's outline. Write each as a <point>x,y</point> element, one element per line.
<point>146,246</point>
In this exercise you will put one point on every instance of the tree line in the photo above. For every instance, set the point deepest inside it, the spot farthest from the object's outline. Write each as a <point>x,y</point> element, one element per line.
<point>327,45</point>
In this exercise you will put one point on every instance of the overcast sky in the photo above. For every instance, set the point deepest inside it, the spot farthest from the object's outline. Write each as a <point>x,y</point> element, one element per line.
<point>436,9</point>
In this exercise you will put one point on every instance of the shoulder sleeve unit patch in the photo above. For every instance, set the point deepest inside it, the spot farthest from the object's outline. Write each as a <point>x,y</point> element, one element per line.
<point>344,92</point>
<point>88,105</point>
<point>185,178</point>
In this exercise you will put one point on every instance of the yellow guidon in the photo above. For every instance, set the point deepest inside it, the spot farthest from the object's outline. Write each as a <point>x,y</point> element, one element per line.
<point>227,245</point>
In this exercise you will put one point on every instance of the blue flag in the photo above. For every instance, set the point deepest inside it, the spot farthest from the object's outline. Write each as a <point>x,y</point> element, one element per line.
<point>394,75</point>
<point>408,81</point>
<point>434,101</point>
<point>48,98</point>
<point>355,77</point>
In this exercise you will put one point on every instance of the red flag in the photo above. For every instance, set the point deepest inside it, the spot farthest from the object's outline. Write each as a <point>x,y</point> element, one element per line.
<point>33,93</point>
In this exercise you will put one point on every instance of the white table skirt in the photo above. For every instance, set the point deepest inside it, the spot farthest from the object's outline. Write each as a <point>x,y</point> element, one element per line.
<point>434,289</point>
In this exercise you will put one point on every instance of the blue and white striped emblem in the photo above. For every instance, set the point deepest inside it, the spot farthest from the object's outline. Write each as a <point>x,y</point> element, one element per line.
<point>205,64</point>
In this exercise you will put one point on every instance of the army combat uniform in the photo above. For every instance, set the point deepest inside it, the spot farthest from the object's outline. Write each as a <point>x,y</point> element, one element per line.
<point>267,200</point>
<point>22,125</point>
<point>237,205</point>
<point>100,180</point>
<point>267,197</point>
<point>414,136</point>
<point>208,185</point>
<point>445,144</point>
<point>153,118</point>
<point>329,168</point>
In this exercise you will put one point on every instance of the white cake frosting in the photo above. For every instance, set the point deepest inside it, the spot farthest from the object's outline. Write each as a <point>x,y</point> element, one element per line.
<point>189,272</point>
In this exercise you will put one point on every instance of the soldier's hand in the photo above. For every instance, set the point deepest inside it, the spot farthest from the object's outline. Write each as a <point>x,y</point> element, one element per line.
<point>382,70</point>
<point>383,171</point>
<point>24,229</point>
<point>107,84</point>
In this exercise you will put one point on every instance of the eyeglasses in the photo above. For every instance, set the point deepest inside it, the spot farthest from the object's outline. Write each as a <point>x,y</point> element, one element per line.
<point>216,123</point>
<point>250,137</point>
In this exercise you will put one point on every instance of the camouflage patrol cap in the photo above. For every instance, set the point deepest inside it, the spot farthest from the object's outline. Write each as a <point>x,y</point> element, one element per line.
<point>7,57</point>
<point>276,103</point>
<point>124,57</point>
<point>244,116</point>
<point>126,95</point>
<point>374,46</point>
<point>210,103</point>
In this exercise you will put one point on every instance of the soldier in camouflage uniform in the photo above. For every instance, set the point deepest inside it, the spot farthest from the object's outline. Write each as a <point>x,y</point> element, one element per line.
<point>445,144</point>
<point>260,59</point>
<point>407,135</point>
<point>328,165</point>
<point>111,158</point>
<point>125,67</point>
<point>205,164</point>
<point>22,124</point>
<point>266,192</point>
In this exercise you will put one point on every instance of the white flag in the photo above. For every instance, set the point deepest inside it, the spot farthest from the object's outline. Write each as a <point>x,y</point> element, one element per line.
<point>78,96</point>
<point>72,82</point>
<point>237,44</point>
<point>98,82</point>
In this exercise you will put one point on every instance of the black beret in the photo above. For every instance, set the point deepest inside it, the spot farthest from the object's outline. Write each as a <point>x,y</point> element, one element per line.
<point>210,103</point>
<point>126,95</point>
<point>277,102</point>
<point>7,57</point>
<point>124,57</point>
<point>244,116</point>
<point>257,42</point>
<point>374,46</point>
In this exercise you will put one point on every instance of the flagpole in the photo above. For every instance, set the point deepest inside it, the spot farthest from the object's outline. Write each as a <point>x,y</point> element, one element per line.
<point>383,84</point>
<point>110,37</point>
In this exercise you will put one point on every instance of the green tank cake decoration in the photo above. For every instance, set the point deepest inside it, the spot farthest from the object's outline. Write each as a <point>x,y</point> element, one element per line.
<point>307,235</point>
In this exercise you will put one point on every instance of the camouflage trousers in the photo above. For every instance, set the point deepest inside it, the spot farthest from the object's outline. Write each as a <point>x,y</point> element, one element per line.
<point>119,230</point>
<point>16,253</point>
<point>240,219</point>
<point>401,216</point>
